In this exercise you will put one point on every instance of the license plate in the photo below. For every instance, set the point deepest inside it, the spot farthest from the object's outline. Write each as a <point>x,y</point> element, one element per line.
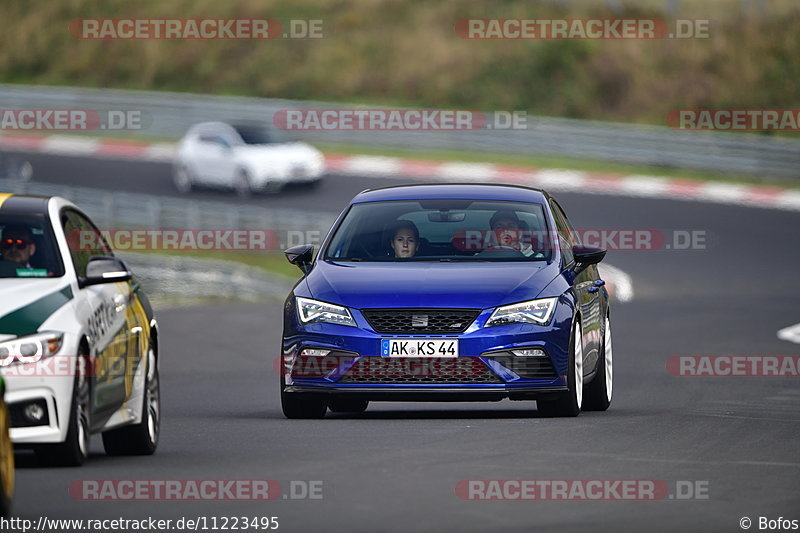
<point>419,347</point>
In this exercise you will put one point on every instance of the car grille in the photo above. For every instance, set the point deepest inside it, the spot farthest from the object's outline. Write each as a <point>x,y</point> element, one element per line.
<point>527,367</point>
<point>414,321</point>
<point>429,370</point>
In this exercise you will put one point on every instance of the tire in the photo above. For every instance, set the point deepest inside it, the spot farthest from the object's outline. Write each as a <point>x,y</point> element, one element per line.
<point>302,405</point>
<point>242,185</point>
<point>274,187</point>
<point>75,448</point>
<point>6,463</point>
<point>141,438</point>
<point>182,178</point>
<point>347,405</point>
<point>569,403</point>
<point>598,393</point>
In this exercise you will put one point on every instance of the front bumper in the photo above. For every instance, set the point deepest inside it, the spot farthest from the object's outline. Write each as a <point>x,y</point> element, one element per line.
<point>486,365</point>
<point>52,393</point>
<point>430,393</point>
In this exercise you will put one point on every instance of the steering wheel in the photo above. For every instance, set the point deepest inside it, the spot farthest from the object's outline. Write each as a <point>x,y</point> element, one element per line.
<point>500,251</point>
<point>365,251</point>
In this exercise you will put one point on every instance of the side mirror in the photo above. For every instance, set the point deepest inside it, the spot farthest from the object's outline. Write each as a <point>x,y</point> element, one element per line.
<point>101,269</point>
<point>301,256</point>
<point>586,256</point>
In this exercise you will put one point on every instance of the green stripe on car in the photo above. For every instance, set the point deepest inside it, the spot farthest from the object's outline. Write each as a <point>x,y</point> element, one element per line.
<point>28,319</point>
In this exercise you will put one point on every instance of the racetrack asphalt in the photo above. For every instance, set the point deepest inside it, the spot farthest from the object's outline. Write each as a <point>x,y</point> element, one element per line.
<point>395,468</point>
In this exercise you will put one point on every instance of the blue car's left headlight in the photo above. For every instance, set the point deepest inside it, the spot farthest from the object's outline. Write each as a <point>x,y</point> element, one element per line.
<point>310,311</point>
<point>530,312</point>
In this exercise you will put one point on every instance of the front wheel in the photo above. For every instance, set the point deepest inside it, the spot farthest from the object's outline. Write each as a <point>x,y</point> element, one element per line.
<point>569,403</point>
<point>599,392</point>
<point>348,405</point>
<point>141,438</point>
<point>183,179</point>
<point>242,184</point>
<point>75,448</point>
<point>301,405</point>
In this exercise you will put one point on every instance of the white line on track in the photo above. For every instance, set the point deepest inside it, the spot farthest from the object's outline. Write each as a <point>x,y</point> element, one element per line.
<point>790,334</point>
<point>621,285</point>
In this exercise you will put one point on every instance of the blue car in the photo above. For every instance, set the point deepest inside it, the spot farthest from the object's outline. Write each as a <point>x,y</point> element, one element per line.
<point>447,292</point>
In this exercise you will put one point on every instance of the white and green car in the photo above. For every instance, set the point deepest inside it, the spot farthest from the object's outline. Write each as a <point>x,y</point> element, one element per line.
<point>78,338</point>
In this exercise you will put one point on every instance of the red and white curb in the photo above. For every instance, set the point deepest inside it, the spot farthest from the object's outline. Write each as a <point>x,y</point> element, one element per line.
<point>569,181</point>
<point>88,146</point>
<point>426,170</point>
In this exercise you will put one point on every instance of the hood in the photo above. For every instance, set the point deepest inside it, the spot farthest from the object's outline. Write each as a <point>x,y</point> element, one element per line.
<point>465,285</point>
<point>279,153</point>
<point>25,303</point>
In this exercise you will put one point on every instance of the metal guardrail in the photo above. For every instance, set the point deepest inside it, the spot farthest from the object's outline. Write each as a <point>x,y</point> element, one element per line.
<point>123,210</point>
<point>170,115</point>
<point>176,280</point>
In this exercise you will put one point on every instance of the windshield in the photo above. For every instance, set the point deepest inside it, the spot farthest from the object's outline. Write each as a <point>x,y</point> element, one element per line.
<point>257,134</point>
<point>441,230</point>
<point>27,248</point>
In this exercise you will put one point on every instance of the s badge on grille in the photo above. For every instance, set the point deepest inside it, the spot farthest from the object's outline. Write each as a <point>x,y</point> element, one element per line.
<point>419,321</point>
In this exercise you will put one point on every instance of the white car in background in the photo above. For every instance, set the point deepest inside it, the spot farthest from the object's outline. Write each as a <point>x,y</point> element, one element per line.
<point>245,157</point>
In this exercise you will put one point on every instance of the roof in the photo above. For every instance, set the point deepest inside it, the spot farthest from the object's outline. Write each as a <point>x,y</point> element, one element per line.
<point>18,204</point>
<point>514,193</point>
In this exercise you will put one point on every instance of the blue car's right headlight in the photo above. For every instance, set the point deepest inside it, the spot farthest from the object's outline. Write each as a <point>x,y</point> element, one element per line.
<point>311,311</point>
<point>530,312</point>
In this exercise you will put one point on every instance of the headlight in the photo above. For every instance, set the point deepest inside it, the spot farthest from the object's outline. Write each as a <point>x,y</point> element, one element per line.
<point>30,349</point>
<point>530,312</point>
<point>310,311</point>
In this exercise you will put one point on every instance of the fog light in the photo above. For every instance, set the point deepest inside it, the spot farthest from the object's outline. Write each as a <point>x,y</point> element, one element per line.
<point>34,412</point>
<point>530,352</point>
<point>315,352</point>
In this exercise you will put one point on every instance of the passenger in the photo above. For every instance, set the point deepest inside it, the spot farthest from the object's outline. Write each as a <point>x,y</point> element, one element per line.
<point>405,239</point>
<point>17,245</point>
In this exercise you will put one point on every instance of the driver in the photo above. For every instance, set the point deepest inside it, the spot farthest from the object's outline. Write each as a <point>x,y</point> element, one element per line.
<point>16,245</point>
<point>405,239</point>
<point>506,227</point>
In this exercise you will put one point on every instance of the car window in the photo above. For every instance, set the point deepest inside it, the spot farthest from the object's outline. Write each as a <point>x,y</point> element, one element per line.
<point>84,240</point>
<point>28,248</point>
<point>257,134</point>
<point>214,138</point>
<point>566,236</point>
<point>441,230</point>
